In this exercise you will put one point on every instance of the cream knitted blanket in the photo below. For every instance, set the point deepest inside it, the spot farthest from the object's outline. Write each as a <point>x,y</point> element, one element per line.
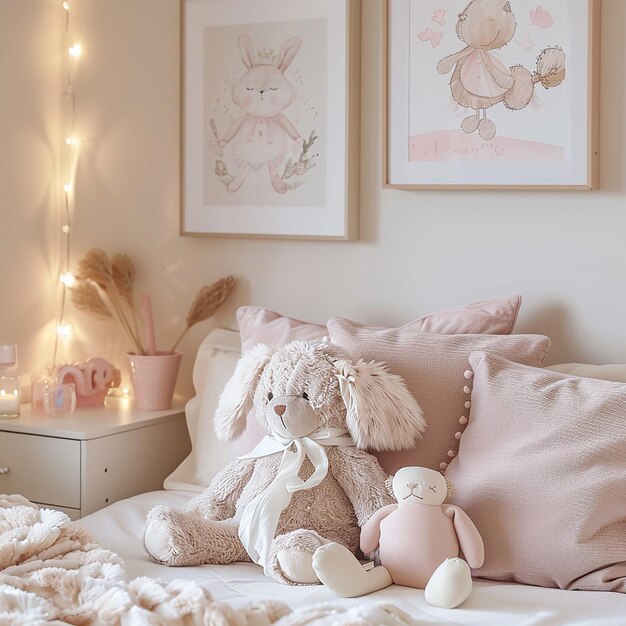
<point>51,573</point>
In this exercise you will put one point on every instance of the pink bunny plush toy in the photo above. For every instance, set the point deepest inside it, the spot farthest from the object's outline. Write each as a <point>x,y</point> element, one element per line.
<point>419,539</point>
<point>260,137</point>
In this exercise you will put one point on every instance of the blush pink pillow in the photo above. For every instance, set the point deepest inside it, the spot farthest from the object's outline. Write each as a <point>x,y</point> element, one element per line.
<point>491,317</point>
<point>259,325</point>
<point>541,471</point>
<point>432,367</point>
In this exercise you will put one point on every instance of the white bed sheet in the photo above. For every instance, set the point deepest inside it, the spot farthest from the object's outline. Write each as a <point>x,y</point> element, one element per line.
<point>120,527</point>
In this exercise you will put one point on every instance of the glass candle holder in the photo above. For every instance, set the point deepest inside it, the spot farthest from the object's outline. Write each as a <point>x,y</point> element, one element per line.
<point>58,399</point>
<point>10,396</point>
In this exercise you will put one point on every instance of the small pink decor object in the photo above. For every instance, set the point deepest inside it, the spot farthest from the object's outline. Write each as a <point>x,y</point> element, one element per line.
<point>92,379</point>
<point>90,383</point>
<point>154,379</point>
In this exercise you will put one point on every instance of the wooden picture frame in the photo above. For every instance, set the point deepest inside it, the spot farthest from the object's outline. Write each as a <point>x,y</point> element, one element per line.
<point>270,118</point>
<point>425,143</point>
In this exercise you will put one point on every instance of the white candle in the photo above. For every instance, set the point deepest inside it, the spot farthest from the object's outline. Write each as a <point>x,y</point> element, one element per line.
<point>9,402</point>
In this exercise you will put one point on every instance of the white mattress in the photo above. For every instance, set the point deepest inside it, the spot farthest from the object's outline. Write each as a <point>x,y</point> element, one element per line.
<point>120,527</point>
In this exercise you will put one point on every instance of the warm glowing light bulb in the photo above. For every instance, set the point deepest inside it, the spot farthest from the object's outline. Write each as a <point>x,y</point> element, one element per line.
<point>68,279</point>
<point>66,229</point>
<point>76,50</point>
<point>67,187</point>
<point>64,330</point>
<point>71,141</point>
<point>66,6</point>
<point>126,391</point>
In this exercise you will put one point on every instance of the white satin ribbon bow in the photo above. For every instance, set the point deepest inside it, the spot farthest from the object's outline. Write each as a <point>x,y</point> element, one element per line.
<point>259,521</point>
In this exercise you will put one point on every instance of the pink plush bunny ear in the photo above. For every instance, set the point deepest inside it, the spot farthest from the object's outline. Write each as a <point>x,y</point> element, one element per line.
<point>246,49</point>
<point>235,401</point>
<point>288,53</point>
<point>382,414</point>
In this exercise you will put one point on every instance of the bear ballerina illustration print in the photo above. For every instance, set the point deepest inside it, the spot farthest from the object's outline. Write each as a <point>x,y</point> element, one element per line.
<point>263,134</point>
<point>480,80</point>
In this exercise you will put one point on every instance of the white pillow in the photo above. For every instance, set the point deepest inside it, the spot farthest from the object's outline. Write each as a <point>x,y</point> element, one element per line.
<point>215,363</point>
<point>616,373</point>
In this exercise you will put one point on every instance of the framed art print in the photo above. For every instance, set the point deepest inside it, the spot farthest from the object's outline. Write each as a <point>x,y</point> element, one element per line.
<point>270,118</point>
<point>491,94</point>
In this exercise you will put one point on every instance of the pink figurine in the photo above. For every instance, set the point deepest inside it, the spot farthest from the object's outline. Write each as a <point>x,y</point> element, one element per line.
<point>419,539</point>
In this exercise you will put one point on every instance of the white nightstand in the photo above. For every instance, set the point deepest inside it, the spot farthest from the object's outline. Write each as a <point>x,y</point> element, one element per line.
<point>87,460</point>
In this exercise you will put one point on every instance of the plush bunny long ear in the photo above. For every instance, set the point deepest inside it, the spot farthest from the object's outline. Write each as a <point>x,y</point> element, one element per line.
<point>246,49</point>
<point>382,414</point>
<point>235,401</point>
<point>288,53</point>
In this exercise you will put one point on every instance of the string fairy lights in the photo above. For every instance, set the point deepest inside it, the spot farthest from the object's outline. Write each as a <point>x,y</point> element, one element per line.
<point>72,51</point>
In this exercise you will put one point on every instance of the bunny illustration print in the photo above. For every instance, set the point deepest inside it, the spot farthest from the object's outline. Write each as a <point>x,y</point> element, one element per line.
<point>480,80</point>
<point>263,135</point>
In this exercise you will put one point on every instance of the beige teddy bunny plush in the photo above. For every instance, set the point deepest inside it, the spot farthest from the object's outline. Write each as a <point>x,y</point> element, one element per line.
<point>310,482</point>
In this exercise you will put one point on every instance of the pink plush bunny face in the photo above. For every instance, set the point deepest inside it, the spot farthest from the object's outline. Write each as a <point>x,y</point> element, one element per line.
<point>263,90</point>
<point>298,391</point>
<point>487,24</point>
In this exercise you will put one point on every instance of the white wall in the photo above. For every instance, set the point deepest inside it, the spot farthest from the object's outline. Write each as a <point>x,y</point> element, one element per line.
<point>418,251</point>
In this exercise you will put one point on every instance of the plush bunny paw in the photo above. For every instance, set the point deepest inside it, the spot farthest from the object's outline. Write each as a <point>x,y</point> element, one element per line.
<point>158,536</point>
<point>291,560</point>
<point>450,584</point>
<point>340,571</point>
<point>297,566</point>
<point>179,538</point>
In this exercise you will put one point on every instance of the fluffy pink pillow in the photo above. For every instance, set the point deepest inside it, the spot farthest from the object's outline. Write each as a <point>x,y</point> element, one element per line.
<point>541,471</point>
<point>259,325</point>
<point>431,366</point>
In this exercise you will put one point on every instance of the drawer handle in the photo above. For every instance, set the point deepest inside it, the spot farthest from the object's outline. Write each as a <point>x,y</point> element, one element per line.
<point>4,470</point>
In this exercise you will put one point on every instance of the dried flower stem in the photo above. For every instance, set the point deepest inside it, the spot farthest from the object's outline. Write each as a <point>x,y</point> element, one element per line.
<point>206,302</point>
<point>114,309</point>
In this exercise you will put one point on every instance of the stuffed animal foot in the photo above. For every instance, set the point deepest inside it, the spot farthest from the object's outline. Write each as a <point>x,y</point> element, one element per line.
<point>176,538</point>
<point>291,560</point>
<point>340,571</point>
<point>450,585</point>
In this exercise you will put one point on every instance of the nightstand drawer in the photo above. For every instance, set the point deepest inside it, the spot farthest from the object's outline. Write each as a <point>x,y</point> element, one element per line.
<point>43,469</point>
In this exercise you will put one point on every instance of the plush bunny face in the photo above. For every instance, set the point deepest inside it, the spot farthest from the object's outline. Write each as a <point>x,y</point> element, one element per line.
<point>298,391</point>
<point>486,24</point>
<point>263,91</point>
<point>305,386</point>
<point>419,485</point>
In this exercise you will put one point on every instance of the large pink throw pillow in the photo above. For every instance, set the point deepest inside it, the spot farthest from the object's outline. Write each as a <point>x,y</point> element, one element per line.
<point>541,471</point>
<point>432,367</point>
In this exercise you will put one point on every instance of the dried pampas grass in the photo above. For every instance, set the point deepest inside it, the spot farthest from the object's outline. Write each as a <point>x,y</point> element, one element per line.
<point>206,303</point>
<point>105,288</point>
<point>86,298</point>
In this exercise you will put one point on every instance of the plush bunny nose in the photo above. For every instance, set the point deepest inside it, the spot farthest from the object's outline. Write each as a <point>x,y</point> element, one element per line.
<point>412,486</point>
<point>280,409</point>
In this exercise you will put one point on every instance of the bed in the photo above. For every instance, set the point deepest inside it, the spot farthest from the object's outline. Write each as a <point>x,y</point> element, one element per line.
<point>119,528</point>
